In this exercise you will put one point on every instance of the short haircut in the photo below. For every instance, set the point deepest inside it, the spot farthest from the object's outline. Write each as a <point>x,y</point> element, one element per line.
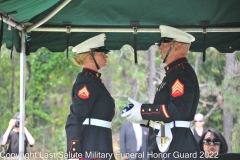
<point>198,116</point>
<point>17,115</point>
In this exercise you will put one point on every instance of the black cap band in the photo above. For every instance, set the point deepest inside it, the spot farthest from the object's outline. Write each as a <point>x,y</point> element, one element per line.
<point>100,49</point>
<point>164,40</point>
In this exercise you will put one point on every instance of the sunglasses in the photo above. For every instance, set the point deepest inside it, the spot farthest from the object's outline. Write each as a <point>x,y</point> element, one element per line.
<point>215,142</point>
<point>164,40</point>
<point>199,121</point>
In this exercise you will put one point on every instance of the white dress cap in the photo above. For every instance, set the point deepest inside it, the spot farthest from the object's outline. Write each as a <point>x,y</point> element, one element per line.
<point>94,42</point>
<point>177,34</point>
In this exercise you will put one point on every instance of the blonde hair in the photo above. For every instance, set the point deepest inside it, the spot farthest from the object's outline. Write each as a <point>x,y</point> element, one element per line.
<point>80,58</point>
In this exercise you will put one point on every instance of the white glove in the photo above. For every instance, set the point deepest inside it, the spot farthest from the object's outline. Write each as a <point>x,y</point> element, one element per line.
<point>134,114</point>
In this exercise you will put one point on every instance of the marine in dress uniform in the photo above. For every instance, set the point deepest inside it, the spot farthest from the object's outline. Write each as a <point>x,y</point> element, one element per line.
<point>88,125</point>
<point>175,102</point>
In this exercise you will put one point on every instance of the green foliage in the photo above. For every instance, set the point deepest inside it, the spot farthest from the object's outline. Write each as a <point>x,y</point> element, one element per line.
<point>9,75</point>
<point>211,74</point>
<point>127,77</point>
<point>232,103</point>
<point>238,56</point>
<point>216,120</point>
<point>236,139</point>
<point>50,76</point>
<point>49,88</point>
<point>212,70</point>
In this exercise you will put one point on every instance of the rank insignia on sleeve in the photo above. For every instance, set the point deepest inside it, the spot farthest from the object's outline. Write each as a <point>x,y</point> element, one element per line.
<point>177,88</point>
<point>83,93</point>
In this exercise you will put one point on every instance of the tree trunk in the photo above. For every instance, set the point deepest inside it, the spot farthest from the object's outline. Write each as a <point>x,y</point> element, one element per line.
<point>227,116</point>
<point>151,55</point>
<point>108,82</point>
<point>198,58</point>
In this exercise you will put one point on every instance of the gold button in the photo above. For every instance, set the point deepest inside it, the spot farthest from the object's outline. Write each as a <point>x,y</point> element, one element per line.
<point>167,67</point>
<point>142,110</point>
<point>164,75</point>
<point>73,149</point>
<point>73,142</point>
<point>149,109</point>
<point>157,109</point>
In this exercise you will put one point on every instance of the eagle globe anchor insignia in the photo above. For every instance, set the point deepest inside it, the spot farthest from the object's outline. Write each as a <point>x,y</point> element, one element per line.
<point>164,137</point>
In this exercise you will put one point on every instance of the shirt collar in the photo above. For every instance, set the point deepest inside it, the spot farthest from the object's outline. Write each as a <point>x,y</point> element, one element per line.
<point>97,74</point>
<point>175,63</point>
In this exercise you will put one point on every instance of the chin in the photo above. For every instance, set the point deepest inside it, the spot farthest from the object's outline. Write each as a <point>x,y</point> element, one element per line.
<point>103,67</point>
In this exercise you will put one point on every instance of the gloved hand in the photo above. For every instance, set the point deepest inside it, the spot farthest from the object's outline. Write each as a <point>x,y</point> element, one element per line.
<point>127,108</point>
<point>134,114</point>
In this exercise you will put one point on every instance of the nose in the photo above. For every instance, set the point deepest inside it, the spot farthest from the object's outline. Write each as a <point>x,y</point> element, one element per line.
<point>211,143</point>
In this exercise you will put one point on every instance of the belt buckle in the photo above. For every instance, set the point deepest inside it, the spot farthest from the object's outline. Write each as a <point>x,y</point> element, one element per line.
<point>157,122</point>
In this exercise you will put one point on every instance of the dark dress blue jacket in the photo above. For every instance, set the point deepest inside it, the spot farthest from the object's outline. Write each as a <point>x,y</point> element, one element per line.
<point>90,99</point>
<point>176,99</point>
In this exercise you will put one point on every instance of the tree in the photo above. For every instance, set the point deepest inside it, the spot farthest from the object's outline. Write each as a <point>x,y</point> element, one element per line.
<point>231,101</point>
<point>9,86</point>
<point>50,77</point>
<point>151,77</point>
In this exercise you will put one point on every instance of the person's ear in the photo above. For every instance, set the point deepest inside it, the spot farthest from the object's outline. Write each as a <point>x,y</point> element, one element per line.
<point>90,58</point>
<point>177,46</point>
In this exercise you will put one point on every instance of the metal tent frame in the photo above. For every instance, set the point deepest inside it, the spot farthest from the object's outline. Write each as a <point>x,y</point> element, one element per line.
<point>23,68</point>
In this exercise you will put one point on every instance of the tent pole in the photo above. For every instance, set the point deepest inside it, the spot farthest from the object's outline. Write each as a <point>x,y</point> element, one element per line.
<point>129,29</point>
<point>50,15</point>
<point>22,95</point>
<point>11,23</point>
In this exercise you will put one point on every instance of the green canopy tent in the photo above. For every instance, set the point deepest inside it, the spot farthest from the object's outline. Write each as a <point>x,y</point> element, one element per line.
<point>114,17</point>
<point>57,24</point>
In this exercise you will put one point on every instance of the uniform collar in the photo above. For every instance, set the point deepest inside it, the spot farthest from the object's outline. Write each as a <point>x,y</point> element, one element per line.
<point>92,72</point>
<point>175,63</point>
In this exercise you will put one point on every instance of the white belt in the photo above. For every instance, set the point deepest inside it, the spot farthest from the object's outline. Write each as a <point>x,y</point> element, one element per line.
<point>97,122</point>
<point>157,124</point>
<point>164,143</point>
